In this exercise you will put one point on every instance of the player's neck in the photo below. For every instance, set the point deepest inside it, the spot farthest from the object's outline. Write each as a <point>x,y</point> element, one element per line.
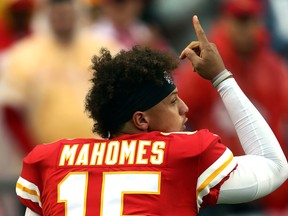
<point>128,128</point>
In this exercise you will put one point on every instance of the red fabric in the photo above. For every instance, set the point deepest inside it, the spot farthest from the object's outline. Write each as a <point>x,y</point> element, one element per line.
<point>214,192</point>
<point>6,38</point>
<point>184,158</point>
<point>22,5</point>
<point>262,77</point>
<point>16,126</point>
<point>242,7</point>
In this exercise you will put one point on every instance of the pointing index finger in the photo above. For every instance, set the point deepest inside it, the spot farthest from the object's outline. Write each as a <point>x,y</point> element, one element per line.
<point>200,32</point>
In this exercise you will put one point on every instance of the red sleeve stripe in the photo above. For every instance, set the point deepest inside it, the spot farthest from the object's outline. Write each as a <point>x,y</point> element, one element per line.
<point>28,190</point>
<point>214,174</point>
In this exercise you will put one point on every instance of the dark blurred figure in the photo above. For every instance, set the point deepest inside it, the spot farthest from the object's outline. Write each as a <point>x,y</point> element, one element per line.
<point>244,45</point>
<point>15,21</point>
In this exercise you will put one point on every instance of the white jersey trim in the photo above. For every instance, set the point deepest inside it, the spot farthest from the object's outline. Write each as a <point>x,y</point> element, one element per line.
<point>28,190</point>
<point>213,175</point>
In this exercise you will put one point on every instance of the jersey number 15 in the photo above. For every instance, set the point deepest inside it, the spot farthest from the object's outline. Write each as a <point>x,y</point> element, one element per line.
<point>72,190</point>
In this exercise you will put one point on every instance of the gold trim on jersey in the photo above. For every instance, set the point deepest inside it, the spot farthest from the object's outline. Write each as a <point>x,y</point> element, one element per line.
<point>28,190</point>
<point>213,175</point>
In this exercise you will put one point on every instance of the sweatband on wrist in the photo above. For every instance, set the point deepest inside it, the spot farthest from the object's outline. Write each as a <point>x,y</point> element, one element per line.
<point>221,77</point>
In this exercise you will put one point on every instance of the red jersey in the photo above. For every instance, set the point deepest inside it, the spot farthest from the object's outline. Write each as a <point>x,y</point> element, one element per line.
<point>141,174</point>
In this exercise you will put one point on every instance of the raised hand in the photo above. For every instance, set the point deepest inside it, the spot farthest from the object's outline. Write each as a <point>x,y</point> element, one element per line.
<point>203,55</point>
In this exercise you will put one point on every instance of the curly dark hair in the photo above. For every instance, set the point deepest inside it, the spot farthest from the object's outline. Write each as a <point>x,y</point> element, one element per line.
<point>115,78</point>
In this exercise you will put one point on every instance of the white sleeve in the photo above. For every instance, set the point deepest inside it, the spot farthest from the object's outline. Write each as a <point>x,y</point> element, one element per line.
<point>29,212</point>
<point>264,167</point>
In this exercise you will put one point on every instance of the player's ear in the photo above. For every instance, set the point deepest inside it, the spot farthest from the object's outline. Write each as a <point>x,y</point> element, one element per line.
<point>140,121</point>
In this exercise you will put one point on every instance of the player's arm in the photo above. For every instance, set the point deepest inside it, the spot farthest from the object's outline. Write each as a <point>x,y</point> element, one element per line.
<point>29,212</point>
<point>264,167</point>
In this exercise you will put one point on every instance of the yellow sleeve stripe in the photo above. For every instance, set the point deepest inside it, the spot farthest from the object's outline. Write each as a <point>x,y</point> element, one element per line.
<point>28,190</point>
<point>214,174</point>
<point>24,189</point>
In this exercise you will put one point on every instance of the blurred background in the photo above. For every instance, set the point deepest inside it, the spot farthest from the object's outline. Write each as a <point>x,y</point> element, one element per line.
<point>45,51</point>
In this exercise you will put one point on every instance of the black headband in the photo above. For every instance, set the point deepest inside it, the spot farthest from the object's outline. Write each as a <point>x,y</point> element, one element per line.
<point>142,99</point>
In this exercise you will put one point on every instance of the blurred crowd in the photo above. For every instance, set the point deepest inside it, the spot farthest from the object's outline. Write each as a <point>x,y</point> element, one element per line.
<point>46,48</point>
